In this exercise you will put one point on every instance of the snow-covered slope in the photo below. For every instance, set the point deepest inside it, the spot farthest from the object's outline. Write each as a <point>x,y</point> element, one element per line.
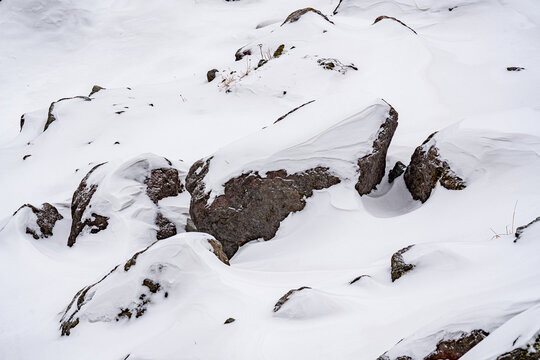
<point>322,287</point>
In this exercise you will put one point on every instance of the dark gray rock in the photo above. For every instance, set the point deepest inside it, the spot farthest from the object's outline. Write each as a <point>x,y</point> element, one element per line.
<point>166,228</point>
<point>79,203</point>
<point>372,166</point>
<point>211,75</point>
<point>530,352</point>
<point>335,65</point>
<point>521,229</point>
<point>427,168</point>
<point>398,266</point>
<point>514,68</point>
<point>47,217</point>
<point>397,171</point>
<point>240,53</point>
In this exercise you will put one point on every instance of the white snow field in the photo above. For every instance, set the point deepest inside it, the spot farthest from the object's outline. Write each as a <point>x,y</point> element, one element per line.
<point>445,71</point>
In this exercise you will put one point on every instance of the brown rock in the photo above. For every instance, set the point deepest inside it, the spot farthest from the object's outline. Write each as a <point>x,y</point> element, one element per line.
<point>426,168</point>
<point>296,15</point>
<point>79,203</point>
<point>393,19</point>
<point>252,206</point>
<point>47,217</point>
<point>398,266</point>
<point>286,297</point>
<point>95,89</point>
<point>211,75</point>
<point>454,349</point>
<point>372,166</point>
<point>163,183</point>
<point>51,117</point>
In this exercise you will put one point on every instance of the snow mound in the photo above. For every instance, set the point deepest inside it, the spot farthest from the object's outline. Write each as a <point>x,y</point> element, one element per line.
<point>149,278</point>
<point>305,303</point>
<point>118,194</point>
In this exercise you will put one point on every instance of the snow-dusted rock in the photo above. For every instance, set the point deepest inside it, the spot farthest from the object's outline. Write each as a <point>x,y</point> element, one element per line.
<point>398,266</point>
<point>427,167</point>
<point>451,346</point>
<point>245,190</point>
<point>39,222</point>
<point>535,224</point>
<point>296,15</point>
<point>305,302</point>
<point>51,115</point>
<point>148,278</point>
<point>138,184</point>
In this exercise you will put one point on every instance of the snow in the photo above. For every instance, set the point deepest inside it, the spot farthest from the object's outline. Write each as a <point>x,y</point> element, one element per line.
<point>152,58</point>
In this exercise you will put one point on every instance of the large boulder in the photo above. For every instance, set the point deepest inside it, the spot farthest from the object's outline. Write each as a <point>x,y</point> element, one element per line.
<point>39,222</point>
<point>427,167</point>
<point>150,277</point>
<point>137,184</point>
<point>245,190</point>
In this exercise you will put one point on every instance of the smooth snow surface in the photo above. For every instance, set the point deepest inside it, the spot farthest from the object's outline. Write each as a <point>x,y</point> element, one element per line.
<point>152,57</point>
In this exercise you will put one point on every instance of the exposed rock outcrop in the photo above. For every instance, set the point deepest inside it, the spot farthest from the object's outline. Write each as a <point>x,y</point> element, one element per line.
<point>79,204</point>
<point>398,266</point>
<point>255,201</point>
<point>92,204</point>
<point>51,117</point>
<point>46,218</point>
<point>397,171</point>
<point>529,352</point>
<point>427,168</point>
<point>456,348</point>
<point>383,17</point>
<point>452,346</point>
<point>286,297</point>
<point>211,75</point>
<point>95,89</point>
<point>147,279</point>
<point>253,206</point>
<point>372,166</point>
<point>296,15</point>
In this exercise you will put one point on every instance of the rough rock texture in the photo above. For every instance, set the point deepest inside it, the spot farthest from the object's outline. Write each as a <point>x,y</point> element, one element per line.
<point>447,349</point>
<point>286,297</point>
<point>148,278</point>
<point>398,266</point>
<point>211,75</point>
<point>454,349</point>
<point>394,19</point>
<point>190,226</point>
<point>163,183</point>
<point>397,171</point>
<point>530,352</point>
<point>165,227</point>
<point>264,203</point>
<point>521,229</point>
<point>372,166</point>
<point>296,15</point>
<point>47,217</point>
<point>79,203</point>
<point>95,89</point>
<point>51,117</point>
<point>426,168</point>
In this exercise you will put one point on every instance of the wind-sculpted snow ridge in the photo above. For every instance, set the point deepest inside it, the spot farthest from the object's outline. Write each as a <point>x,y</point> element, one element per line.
<point>243,192</point>
<point>150,277</point>
<point>112,193</point>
